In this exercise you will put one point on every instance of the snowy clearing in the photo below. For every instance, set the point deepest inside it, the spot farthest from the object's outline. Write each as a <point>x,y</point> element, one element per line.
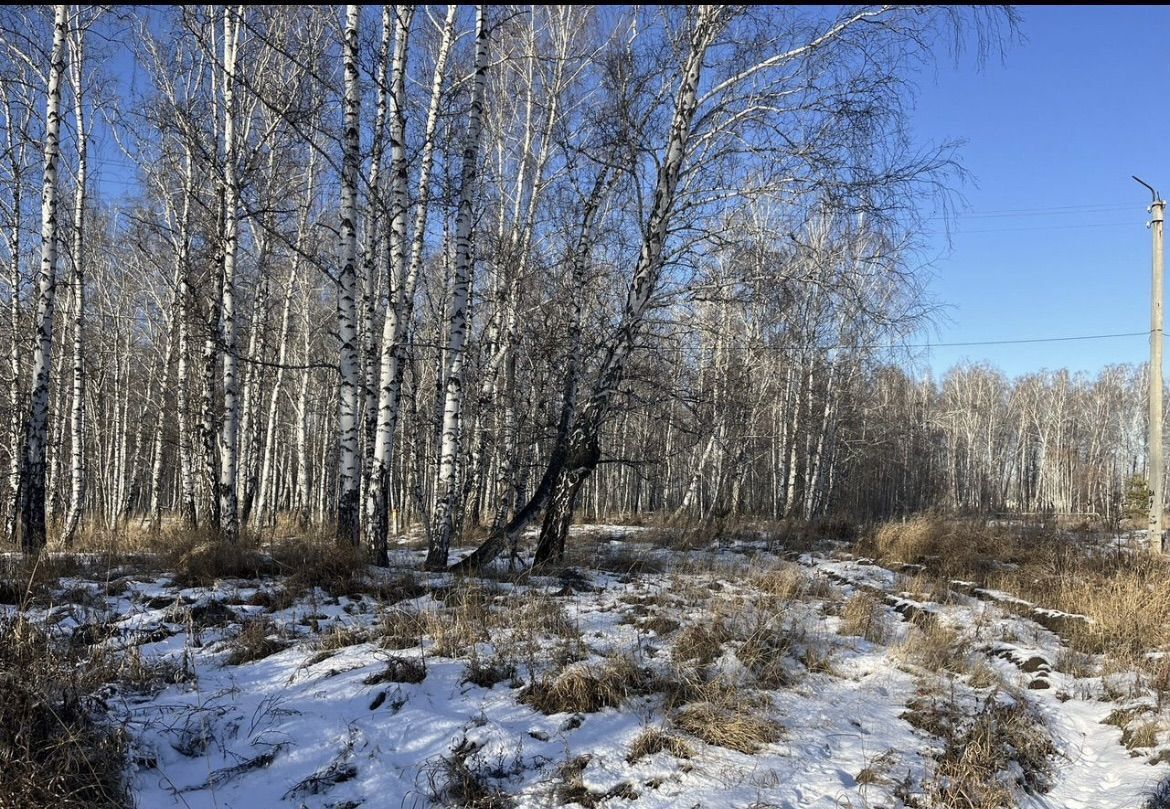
<point>729,676</point>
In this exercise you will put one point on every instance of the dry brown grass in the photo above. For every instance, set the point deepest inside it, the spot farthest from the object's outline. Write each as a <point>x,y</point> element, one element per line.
<point>766,652</point>
<point>630,561</point>
<point>785,582</point>
<point>464,620</point>
<point>686,533</point>
<point>1128,604</point>
<point>538,614</point>
<point>655,740</point>
<point>473,614</point>
<point>659,624</point>
<point>200,557</point>
<point>569,787</point>
<point>27,581</point>
<point>1141,735</point>
<point>864,615</point>
<point>935,647</point>
<point>203,563</point>
<point>463,780</point>
<point>718,710</point>
<point>736,725</point>
<point>141,675</point>
<point>877,769</point>
<point>260,638</point>
<point>974,769</point>
<point>338,569</point>
<point>983,675</point>
<point>53,751</point>
<point>701,642</point>
<point>926,586</point>
<point>400,629</point>
<point>486,672</point>
<point>951,548</point>
<point>1125,594</point>
<point>341,637</point>
<point>586,688</point>
<point>400,670</point>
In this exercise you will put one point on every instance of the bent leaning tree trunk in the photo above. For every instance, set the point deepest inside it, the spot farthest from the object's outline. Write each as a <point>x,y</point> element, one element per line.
<point>32,473</point>
<point>507,535</point>
<point>576,450</point>
<point>584,445</point>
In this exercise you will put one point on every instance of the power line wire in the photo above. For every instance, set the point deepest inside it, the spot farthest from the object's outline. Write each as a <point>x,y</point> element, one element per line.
<point>1055,210</point>
<point>1015,341</point>
<point>960,231</point>
<point>1023,340</point>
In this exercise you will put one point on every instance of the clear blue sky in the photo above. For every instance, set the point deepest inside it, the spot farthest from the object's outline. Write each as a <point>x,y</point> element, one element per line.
<point>1052,240</point>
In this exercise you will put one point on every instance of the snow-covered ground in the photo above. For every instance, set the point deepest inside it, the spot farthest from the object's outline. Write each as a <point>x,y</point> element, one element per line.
<point>359,701</point>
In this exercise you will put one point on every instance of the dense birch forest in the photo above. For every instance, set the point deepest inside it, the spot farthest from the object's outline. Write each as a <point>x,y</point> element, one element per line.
<point>470,270</point>
<point>517,406</point>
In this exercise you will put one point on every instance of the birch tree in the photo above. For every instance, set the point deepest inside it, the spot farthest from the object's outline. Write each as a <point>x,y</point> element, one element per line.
<point>348,504</point>
<point>446,482</point>
<point>399,286</point>
<point>18,113</point>
<point>230,424</point>
<point>32,477</point>
<point>77,286</point>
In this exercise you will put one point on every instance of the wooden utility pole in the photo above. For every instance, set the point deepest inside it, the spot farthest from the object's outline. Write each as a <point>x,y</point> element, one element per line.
<point>1157,500</point>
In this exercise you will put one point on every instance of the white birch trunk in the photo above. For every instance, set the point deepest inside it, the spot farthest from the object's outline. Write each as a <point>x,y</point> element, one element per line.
<point>376,508</point>
<point>348,511</point>
<point>401,311</point>
<point>187,511</point>
<point>447,481</point>
<point>15,149</point>
<point>303,493</point>
<point>32,484</point>
<point>371,284</point>
<point>77,284</point>
<point>156,450</point>
<point>229,443</point>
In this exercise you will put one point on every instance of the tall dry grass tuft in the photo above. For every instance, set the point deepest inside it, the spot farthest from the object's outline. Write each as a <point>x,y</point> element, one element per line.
<point>308,562</point>
<point>864,615</point>
<point>1125,595</point>
<point>54,751</point>
<point>1002,748</point>
<point>723,714</point>
<point>951,548</point>
<point>463,779</point>
<point>702,642</point>
<point>935,647</point>
<point>1128,606</point>
<point>199,562</point>
<point>718,710</point>
<point>586,688</point>
<point>655,740</point>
